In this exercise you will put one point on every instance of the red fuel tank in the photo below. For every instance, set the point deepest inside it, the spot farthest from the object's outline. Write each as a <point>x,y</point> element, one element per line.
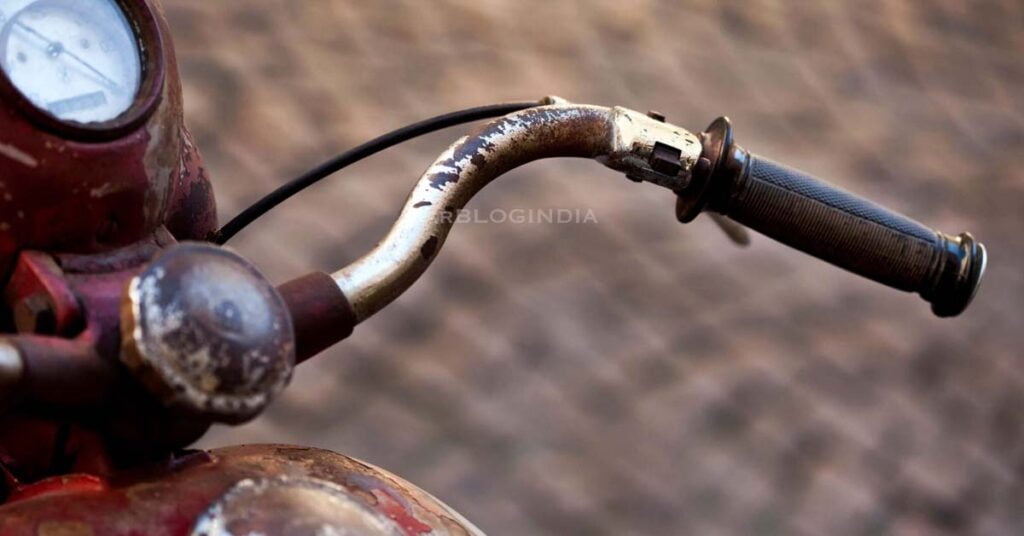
<point>256,489</point>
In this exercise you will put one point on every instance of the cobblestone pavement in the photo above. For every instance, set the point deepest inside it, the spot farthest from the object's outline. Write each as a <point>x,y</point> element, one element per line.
<point>635,376</point>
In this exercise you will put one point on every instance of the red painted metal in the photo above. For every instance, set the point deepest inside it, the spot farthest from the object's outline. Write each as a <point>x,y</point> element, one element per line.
<point>82,209</point>
<point>85,447</point>
<point>93,194</point>
<point>167,499</point>
<point>321,314</point>
<point>64,484</point>
<point>40,297</point>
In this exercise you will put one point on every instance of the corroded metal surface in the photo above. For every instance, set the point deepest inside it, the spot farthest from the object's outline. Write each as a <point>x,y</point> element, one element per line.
<point>207,333</point>
<point>88,192</point>
<point>756,391</point>
<point>258,489</point>
<point>634,144</point>
<point>620,138</point>
<point>86,206</point>
<point>464,169</point>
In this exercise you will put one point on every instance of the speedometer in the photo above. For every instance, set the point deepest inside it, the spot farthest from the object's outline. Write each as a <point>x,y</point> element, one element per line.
<point>77,60</point>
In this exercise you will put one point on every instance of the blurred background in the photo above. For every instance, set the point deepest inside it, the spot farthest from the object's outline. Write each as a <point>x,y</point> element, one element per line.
<point>637,376</point>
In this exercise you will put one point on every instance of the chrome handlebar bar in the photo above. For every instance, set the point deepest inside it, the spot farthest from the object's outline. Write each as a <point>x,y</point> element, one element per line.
<point>642,147</point>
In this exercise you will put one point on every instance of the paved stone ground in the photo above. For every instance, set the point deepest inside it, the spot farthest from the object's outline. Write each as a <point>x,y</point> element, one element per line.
<point>636,376</point>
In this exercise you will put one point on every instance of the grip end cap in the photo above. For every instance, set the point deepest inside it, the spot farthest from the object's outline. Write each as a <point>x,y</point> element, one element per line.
<point>961,275</point>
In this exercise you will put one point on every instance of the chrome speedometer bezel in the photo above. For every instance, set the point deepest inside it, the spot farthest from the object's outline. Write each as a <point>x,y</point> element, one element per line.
<point>150,42</point>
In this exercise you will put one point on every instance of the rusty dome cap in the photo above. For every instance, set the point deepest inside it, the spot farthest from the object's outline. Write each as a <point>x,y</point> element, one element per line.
<point>207,333</point>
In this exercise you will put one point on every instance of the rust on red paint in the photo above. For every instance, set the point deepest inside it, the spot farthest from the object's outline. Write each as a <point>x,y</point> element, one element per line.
<point>170,500</point>
<point>84,447</point>
<point>399,513</point>
<point>193,212</point>
<point>83,194</point>
<point>82,209</point>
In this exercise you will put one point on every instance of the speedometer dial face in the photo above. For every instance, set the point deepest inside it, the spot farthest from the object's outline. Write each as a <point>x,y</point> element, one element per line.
<point>78,60</point>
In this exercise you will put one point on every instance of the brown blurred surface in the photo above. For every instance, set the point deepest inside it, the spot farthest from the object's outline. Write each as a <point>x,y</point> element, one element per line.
<point>635,375</point>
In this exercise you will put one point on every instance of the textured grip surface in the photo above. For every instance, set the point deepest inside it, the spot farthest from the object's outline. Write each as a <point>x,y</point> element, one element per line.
<point>837,226</point>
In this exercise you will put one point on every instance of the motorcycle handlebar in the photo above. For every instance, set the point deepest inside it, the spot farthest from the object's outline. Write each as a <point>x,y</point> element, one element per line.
<point>707,172</point>
<point>306,315</point>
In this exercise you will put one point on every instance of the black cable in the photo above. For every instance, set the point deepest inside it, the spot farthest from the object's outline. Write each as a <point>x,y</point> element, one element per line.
<point>356,154</point>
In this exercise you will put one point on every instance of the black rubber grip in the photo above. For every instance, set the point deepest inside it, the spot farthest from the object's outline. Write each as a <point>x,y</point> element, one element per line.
<point>853,233</point>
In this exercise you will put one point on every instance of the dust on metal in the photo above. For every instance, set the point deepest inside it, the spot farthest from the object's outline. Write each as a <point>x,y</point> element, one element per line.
<point>205,331</point>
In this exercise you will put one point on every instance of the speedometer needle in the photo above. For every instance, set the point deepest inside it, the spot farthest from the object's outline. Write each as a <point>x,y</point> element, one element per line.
<point>58,47</point>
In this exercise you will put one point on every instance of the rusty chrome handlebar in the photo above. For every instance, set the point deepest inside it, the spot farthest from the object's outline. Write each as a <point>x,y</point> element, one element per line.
<point>643,147</point>
<point>182,331</point>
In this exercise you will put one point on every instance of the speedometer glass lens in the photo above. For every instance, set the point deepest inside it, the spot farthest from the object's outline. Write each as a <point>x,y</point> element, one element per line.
<point>76,59</point>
